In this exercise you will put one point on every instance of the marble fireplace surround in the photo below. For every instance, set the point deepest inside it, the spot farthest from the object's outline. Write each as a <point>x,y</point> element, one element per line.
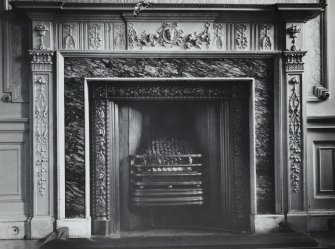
<point>72,83</point>
<point>277,62</point>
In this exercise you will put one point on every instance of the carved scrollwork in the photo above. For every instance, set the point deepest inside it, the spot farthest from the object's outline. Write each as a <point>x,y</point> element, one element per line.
<point>241,37</point>
<point>295,141</point>
<point>321,92</point>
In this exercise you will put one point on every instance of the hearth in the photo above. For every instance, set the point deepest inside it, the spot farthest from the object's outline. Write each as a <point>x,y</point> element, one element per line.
<point>178,151</point>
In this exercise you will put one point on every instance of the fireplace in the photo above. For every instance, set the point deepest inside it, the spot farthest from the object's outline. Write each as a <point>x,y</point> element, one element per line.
<point>206,119</point>
<point>180,149</point>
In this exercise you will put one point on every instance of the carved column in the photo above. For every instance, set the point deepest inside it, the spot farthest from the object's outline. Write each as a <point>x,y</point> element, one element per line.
<point>41,223</point>
<point>294,69</point>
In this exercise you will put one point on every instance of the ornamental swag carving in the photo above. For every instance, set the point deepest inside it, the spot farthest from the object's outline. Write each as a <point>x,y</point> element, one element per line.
<point>168,35</point>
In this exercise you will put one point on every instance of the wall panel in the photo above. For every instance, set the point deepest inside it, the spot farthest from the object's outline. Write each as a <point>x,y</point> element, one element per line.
<point>14,177</point>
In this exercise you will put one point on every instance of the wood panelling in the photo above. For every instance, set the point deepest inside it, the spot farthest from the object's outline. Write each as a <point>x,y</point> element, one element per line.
<point>321,168</point>
<point>10,170</point>
<point>14,177</point>
<point>325,170</point>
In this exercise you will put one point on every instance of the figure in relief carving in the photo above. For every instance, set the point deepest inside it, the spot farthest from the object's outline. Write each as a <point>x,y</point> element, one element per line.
<point>70,38</point>
<point>266,41</point>
<point>169,34</point>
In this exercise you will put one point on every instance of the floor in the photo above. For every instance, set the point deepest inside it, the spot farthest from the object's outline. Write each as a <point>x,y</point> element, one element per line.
<point>325,240</point>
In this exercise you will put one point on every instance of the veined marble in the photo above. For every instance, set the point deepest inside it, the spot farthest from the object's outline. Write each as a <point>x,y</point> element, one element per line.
<point>76,69</point>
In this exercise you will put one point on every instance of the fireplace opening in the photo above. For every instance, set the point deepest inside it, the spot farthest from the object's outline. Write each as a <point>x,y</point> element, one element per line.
<point>177,161</point>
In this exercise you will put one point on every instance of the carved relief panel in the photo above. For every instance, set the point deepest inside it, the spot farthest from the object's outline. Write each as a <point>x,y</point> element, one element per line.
<point>159,36</point>
<point>74,35</point>
<point>70,35</point>
<point>200,36</point>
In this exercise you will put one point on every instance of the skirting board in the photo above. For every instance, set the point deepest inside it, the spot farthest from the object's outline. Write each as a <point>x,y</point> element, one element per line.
<point>12,229</point>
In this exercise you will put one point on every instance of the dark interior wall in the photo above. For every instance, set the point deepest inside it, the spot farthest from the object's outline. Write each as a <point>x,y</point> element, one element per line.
<point>76,69</point>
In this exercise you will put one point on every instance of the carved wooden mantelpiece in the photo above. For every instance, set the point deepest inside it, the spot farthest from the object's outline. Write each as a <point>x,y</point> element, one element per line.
<point>163,30</point>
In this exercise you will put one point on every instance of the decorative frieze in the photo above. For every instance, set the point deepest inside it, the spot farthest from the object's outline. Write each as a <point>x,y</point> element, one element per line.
<point>321,92</point>
<point>186,36</point>
<point>41,60</point>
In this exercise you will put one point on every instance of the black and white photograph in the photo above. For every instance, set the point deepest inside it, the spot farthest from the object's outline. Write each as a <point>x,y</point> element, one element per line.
<point>167,124</point>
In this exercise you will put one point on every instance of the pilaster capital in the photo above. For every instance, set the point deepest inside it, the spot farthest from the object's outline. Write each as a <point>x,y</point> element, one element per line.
<point>41,60</point>
<point>293,60</point>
